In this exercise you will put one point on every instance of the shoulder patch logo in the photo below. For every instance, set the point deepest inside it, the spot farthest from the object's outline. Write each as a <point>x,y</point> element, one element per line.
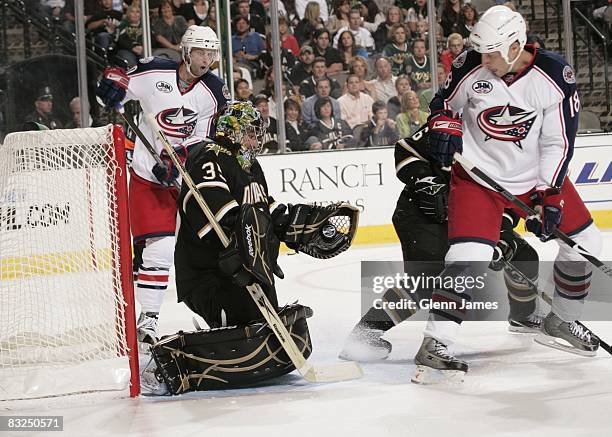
<point>146,60</point>
<point>460,60</point>
<point>164,87</point>
<point>482,87</point>
<point>568,74</point>
<point>226,92</point>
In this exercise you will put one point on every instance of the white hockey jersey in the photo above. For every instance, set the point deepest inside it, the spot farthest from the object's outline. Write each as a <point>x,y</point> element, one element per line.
<point>521,134</point>
<point>185,117</point>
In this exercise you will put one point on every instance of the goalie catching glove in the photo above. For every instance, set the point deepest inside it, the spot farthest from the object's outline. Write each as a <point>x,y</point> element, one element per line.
<point>319,231</point>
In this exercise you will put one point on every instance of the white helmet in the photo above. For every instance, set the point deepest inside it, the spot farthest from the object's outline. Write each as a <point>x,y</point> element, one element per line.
<point>497,29</point>
<point>202,37</point>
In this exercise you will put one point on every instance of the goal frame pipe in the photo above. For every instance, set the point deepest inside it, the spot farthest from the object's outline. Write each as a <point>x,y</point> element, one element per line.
<point>125,257</point>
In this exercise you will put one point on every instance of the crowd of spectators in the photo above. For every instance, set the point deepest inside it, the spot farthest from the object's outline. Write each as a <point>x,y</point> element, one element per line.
<point>356,73</point>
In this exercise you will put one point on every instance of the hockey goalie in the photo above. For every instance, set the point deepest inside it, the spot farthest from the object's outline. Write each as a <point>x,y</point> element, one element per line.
<point>239,349</point>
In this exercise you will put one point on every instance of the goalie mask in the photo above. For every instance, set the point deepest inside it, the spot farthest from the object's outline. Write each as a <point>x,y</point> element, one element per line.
<point>241,125</point>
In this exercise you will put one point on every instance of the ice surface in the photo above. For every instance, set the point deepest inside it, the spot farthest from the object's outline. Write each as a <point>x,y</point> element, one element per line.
<point>514,387</point>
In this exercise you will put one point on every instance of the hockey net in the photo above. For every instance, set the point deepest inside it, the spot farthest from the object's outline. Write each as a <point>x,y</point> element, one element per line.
<point>66,291</point>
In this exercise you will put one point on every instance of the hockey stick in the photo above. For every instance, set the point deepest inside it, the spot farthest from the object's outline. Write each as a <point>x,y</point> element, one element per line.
<point>530,211</point>
<point>146,143</point>
<point>546,298</point>
<point>319,373</point>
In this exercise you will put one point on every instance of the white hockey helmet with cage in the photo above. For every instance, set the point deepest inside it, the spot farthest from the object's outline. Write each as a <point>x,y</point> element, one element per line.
<point>201,37</point>
<point>497,29</point>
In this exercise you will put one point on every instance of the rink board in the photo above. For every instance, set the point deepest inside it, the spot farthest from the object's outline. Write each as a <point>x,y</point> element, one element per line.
<point>366,178</point>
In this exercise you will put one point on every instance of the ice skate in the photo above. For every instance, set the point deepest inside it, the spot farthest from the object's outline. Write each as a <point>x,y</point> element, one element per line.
<point>530,325</point>
<point>365,344</point>
<point>146,331</point>
<point>150,384</point>
<point>434,364</point>
<point>571,337</point>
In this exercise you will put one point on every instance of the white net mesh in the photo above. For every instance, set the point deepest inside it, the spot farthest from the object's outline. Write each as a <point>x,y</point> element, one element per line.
<point>61,303</point>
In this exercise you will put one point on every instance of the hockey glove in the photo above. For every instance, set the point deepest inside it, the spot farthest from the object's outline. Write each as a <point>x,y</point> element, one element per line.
<point>230,263</point>
<point>549,203</point>
<point>113,87</point>
<point>445,137</point>
<point>432,197</point>
<point>167,173</point>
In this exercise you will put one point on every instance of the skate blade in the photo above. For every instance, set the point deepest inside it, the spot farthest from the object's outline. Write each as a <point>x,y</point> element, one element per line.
<point>523,330</point>
<point>553,342</point>
<point>426,375</point>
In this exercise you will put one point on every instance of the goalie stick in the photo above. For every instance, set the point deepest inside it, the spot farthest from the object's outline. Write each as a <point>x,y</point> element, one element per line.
<point>530,211</point>
<point>546,298</point>
<point>310,372</point>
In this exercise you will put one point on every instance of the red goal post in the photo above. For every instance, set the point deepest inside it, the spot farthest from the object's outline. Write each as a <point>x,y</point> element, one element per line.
<point>67,318</point>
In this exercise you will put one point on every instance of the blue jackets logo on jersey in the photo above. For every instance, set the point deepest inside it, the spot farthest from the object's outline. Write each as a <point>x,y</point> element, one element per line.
<point>506,123</point>
<point>177,122</point>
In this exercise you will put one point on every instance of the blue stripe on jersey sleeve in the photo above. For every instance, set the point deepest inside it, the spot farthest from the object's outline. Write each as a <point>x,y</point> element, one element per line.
<point>153,63</point>
<point>462,65</point>
<point>563,75</point>
<point>216,85</point>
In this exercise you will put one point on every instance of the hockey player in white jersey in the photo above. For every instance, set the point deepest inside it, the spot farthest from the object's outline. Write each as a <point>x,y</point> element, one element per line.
<point>183,97</point>
<point>519,108</point>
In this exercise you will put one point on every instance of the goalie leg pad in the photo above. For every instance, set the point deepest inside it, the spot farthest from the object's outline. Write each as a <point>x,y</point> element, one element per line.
<point>233,357</point>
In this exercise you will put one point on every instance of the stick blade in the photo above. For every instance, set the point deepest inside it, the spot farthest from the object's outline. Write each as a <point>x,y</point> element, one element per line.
<point>333,372</point>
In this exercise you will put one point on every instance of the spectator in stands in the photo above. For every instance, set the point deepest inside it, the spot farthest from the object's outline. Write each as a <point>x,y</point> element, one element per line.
<point>323,89</point>
<point>467,19</point>
<point>359,66</point>
<point>398,51</point>
<point>89,7</point>
<point>425,96</point>
<point>242,91</point>
<point>129,41</point>
<point>449,17</point>
<point>454,45</point>
<point>339,17</point>
<point>270,138</point>
<point>385,81</point>
<point>411,118</point>
<point>371,14</point>
<point>255,8</point>
<point>266,61</point>
<point>291,13</point>
<point>383,35</point>
<point>417,12</point>
<point>288,41</point>
<point>53,9</point>
<point>272,100</point>
<point>417,66</point>
<point>348,50</point>
<point>301,7</point>
<point>43,110</point>
<point>355,106</point>
<point>394,106</point>
<point>246,45</point>
<point>303,69</point>
<point>103,23</point>
<point>75,109</point>
<point>319,71</point>
<point>211,18</point>
<point>168,30</point>
<point>296,131</point>
<point>243,9</point>
<point>195,12</point>
<point>381,130</point>
<point>363,37</point>
<point>329,132</point>
<point>322,48</point>
<point>311,22</point>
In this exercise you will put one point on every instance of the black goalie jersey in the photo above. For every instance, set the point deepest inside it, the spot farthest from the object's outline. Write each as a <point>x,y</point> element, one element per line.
<point>224,185</point>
